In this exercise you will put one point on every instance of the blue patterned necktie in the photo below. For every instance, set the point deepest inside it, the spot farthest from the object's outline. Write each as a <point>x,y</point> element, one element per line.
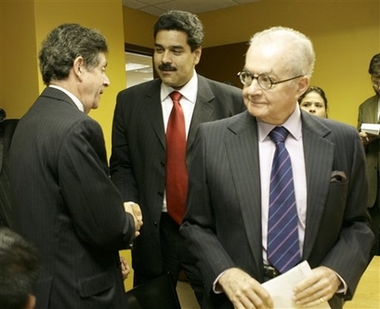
<point>283,243</point>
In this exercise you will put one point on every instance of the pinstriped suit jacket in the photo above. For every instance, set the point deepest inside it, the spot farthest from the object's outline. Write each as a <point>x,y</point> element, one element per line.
<point>368,114</point>
<point>138,153</point>
<point>67,206</point>
<point>223,221</point>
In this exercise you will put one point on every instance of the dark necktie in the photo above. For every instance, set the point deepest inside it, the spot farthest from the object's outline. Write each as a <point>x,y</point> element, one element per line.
<point>176,171</point>
<point>283,243</point>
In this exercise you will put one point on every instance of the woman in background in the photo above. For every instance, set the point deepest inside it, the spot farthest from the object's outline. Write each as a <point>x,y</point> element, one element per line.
<point>314,101</point>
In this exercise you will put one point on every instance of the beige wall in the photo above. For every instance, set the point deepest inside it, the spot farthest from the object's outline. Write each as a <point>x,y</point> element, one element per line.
<point>345,33</point>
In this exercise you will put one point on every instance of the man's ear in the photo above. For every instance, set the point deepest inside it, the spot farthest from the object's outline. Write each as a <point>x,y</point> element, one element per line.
<point>303,84</point>
<point>78,66</point>
<point>197,55</point>
<point>31,302</point>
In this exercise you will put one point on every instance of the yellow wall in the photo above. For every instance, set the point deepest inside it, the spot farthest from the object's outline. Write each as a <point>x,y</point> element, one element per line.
<point>19,68</point>
<point>138,27</point>
<point>345,33</point>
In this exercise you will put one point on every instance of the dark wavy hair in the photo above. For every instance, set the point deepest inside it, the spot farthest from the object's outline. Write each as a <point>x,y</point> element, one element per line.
<point>182,21</point>
<point>374,65</point>
<point>64,44</point>
<point>314,89</point>
<point>19,268</point>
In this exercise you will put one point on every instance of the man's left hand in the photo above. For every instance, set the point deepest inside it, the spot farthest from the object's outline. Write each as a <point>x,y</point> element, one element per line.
<point>321,286</point>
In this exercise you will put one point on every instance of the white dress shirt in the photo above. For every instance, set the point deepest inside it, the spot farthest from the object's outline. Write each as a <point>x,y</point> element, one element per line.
<point>189,96</point>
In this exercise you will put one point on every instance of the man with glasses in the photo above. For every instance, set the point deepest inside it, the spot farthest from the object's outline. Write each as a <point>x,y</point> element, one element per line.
<point>237,200</point>
<point>369,112</point>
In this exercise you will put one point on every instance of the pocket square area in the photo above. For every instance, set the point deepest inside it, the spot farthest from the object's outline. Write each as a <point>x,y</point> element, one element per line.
<point>338,176</point>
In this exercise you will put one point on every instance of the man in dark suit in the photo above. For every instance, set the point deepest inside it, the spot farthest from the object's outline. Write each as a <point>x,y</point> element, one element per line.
<point>228,221</point>
<point>369,112</point>
<point>139,144</point>
<point>7,128</point>
<point>65,203</point>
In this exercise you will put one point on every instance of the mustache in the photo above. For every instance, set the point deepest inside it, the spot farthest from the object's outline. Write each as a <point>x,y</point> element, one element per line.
<point>166,67</point>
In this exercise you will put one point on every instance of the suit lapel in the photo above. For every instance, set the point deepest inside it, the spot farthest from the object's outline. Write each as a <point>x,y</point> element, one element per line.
<point>154,108</point>
<point>203,109</point>
<point>372,111</point>
<point>243,155</point>
<point>319,154</point>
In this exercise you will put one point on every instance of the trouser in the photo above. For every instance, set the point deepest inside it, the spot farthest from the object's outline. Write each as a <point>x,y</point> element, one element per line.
<point>176,257</point>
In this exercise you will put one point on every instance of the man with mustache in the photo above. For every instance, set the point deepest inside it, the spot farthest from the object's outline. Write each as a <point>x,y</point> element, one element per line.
<point>142,160</point>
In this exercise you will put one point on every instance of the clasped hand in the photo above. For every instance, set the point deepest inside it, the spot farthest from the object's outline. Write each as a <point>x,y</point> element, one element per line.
<point>135,211</point>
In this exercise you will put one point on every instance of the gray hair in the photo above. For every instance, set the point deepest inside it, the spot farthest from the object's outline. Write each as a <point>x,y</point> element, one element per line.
<point>182,21</point>
<point>300,57</point>
<point>64,44</point>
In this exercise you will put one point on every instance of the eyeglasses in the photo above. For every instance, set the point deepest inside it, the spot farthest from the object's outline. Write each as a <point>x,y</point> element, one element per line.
<point>264,81</point>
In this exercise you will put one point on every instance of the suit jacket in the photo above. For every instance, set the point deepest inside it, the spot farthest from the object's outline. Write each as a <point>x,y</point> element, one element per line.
<point>368,114</point>
<point>223,221</point>
<point>138,154</point>
<point>7,128</point>
<point>67,205</point>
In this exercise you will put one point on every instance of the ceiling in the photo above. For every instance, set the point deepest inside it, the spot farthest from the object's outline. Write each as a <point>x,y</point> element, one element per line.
<point>158,7</point>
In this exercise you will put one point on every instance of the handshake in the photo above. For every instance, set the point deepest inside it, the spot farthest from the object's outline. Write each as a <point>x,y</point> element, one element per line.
<point>134,209</point>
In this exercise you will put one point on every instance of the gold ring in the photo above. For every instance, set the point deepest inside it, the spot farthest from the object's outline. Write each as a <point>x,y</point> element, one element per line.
<point>321,300</point>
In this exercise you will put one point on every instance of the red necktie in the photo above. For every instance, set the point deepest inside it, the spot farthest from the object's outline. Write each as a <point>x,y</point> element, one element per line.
<point>176,171</point>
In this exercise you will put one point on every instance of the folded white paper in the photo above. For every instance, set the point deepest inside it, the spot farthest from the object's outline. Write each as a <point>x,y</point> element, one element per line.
<point>371,128</point>
<point>281,288</point>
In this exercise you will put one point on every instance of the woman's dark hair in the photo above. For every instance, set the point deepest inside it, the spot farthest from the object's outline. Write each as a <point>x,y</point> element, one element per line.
<point>317,90</point>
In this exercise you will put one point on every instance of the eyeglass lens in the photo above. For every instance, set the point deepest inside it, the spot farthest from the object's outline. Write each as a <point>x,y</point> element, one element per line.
<point>263,80</point>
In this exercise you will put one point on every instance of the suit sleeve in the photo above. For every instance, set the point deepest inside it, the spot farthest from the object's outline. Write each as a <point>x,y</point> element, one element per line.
<point>96,208</point>
<point>120,162</point>
<point>199,223</point>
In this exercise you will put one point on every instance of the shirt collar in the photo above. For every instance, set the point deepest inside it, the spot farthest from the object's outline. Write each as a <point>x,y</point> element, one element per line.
<point>293,124</point>
<point>77,102</point>
<point>189,90</point>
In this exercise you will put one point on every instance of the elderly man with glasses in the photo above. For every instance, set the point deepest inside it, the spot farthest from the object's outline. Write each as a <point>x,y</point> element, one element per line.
<point>275,186</point>
<point>369,112</point>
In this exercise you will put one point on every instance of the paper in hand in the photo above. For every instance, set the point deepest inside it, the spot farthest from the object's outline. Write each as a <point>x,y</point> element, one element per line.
<point>281,288</point>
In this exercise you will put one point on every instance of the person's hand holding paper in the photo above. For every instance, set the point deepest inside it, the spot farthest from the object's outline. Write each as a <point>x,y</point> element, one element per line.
<point>300,288</point>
